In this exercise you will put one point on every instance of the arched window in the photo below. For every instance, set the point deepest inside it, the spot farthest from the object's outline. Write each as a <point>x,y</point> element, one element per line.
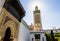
<point>42,38</point>
<point>32,39</point>
<point>37,36</point>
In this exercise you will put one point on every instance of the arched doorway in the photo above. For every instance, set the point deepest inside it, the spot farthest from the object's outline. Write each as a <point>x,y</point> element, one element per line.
<point>7,35</point>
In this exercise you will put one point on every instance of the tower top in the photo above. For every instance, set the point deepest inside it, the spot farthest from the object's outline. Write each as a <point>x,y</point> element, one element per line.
<point>36,8</point>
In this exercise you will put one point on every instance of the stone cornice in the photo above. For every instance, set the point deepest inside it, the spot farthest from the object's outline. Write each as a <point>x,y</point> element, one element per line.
<point>37,32</point>
<point>15,8</point>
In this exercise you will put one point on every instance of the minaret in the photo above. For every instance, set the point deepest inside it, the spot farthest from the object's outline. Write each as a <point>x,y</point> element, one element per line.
<point>37,20</point>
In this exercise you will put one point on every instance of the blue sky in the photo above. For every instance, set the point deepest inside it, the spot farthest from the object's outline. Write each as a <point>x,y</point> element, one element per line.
<point>50,12</point>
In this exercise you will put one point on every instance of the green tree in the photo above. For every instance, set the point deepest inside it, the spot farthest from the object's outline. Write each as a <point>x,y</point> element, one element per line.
<point>46,37</point>
<point>52,35</point>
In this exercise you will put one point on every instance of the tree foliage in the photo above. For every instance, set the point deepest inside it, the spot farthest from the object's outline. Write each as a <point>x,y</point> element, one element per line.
<point>51,36</point>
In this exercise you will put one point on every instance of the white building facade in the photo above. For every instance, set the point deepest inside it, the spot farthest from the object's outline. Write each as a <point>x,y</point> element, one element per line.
<point>24,32</point>
<point>37,36</point>
<point>41,34</point>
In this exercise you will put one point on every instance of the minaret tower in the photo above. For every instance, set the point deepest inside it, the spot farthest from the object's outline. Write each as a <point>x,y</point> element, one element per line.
<point>37,19</point>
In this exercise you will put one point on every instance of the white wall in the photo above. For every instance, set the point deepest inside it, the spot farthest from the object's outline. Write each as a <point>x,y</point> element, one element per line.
<point>1,4</point>
<point>43,36</point>
<point>32,36</point>
<point>24,33</point>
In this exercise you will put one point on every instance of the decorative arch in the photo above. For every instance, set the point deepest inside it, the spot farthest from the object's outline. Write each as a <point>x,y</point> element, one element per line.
<point>12,26</point>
